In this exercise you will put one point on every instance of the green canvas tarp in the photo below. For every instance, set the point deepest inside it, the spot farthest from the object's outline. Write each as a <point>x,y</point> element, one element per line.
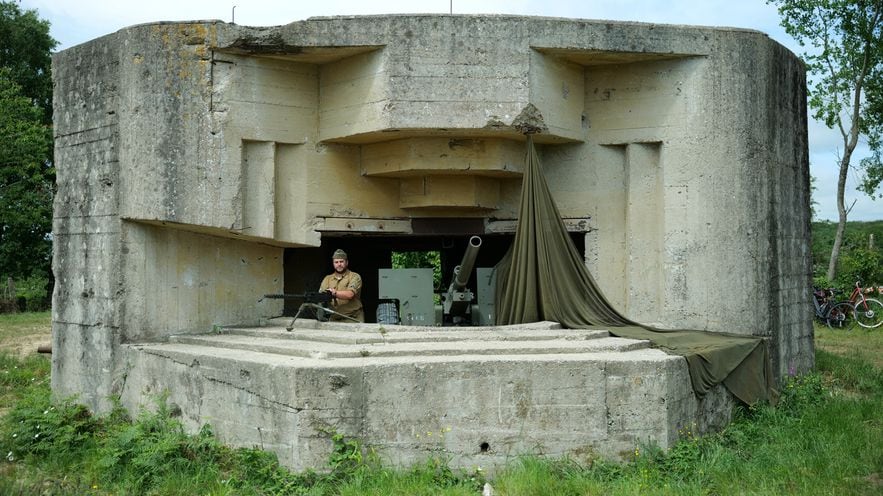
<point>544,277</point>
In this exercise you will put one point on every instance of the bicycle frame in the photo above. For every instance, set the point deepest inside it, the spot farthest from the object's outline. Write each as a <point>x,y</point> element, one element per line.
<point>868,311</point>
<point>821,301</point>
<point>857,297</point>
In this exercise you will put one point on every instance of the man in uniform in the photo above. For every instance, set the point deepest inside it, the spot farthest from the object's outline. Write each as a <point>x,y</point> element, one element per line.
<point>345,287</point>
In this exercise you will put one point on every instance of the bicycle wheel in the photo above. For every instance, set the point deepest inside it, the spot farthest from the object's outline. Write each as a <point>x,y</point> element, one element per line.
<point>841,316</point>
<point>869,313</point>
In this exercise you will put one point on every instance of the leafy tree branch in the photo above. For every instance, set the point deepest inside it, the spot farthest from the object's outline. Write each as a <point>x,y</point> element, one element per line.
<point>846,64</point>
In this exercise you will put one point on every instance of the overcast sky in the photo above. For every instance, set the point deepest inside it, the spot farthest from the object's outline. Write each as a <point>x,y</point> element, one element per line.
<point>77,21</point>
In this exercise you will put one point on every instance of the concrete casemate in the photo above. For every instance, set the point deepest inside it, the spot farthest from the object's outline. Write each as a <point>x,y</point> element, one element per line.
<point>473,396</point>
<point>203,164</point>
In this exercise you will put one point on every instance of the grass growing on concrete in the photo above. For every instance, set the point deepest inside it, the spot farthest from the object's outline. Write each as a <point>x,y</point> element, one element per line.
<point>825,437</point>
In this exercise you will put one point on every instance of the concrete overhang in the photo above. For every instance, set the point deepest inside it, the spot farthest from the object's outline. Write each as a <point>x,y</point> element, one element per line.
<point>318,55</point>
<point>491,131</point>
<point>591,58</point>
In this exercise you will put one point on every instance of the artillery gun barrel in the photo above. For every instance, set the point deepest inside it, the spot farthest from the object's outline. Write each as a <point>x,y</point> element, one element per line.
<point>457,300</point>
<point>464,270</point>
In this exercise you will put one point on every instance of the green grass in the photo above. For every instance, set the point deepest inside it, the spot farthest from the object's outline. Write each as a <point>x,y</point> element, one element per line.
<point>18,374</point>
<point>814,443</point>
<point>825,437</point>
<point>60,445</point>
<point>858,343</point>
<point>15,325</point>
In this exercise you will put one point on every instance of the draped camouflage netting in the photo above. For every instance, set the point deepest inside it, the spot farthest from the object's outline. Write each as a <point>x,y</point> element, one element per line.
<point>543,277</point>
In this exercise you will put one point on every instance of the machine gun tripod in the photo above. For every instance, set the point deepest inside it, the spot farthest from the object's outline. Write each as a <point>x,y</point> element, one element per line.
<point>312,300</point>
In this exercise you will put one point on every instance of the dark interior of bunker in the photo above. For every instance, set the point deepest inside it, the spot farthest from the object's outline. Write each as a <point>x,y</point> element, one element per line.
<point>371,254</point>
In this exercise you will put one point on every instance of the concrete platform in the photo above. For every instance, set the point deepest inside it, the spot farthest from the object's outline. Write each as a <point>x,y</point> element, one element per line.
<point>475,396</point>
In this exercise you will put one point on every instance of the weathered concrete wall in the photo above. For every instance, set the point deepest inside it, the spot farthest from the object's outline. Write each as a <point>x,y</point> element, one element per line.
<point>180,281</point>
<point>87,226</point>
<point>190,154</point>
<point>475,397</point>
<point>170,152</point>
<point>688,182</point>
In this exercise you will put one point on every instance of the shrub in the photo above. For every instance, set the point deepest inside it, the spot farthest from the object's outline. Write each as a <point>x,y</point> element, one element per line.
<point>37,427</point>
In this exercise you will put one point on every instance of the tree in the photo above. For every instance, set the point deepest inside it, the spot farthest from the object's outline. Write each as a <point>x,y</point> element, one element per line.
<point>27,176</point>
<point>419,260</point>
<point>846,67</point>
<point>25,183</point>
<point>25,49</point>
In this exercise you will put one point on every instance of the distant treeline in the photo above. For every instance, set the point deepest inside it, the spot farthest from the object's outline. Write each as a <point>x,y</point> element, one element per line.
<point>861,257</point>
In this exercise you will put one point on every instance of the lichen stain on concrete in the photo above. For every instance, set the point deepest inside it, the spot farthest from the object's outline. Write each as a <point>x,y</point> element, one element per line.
<point>338,381</point>
<point>522,395</point>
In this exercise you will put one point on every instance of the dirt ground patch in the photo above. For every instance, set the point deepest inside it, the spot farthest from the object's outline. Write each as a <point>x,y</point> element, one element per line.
<point>21,335</point>
<point>26,345</point>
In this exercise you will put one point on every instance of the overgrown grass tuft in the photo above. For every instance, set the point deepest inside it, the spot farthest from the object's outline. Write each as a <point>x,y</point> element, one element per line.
<point>18,376</point>
<point>152,455</point>
<point>62,445</point>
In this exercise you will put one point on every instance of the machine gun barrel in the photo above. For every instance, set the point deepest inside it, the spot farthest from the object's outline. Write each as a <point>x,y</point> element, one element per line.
<point>308,297</point>
<point>464,270</point>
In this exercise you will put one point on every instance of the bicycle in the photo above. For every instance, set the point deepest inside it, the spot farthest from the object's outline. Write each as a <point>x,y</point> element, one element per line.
<point>868,311</point>
<point>838,315</point>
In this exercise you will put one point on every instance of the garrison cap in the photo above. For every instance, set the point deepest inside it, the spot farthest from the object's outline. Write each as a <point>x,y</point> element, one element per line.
<point>339,254</point>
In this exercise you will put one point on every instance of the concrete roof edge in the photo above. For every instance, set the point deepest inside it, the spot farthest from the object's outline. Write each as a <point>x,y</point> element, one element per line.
<point>533,17</point>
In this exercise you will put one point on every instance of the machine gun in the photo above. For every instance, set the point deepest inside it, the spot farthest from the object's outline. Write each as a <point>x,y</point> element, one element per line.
<point>312,300</point>
<point>318,297</point>
<point>457,301</point>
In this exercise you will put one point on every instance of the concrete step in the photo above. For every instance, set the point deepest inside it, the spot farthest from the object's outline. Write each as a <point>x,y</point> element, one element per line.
<point>323,340</point>
<point>438,347</point>
<point>374,333</point>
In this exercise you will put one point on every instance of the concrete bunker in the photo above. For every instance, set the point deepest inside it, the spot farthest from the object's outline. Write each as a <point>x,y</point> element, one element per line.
<point>203,164</point>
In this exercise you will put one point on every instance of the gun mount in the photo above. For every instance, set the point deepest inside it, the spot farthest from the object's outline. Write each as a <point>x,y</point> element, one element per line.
<point>457,301</point>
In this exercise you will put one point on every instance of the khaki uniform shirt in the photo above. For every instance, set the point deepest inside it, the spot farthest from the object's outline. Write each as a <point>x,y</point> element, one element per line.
<point>349,280</point>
